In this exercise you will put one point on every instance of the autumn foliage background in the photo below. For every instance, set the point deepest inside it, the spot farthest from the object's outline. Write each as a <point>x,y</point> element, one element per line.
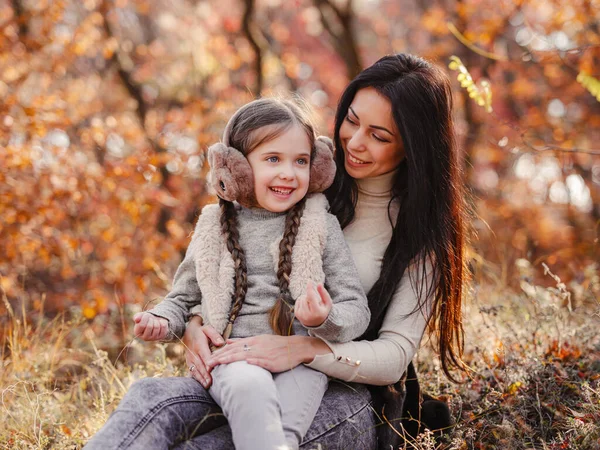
<point>107,108</point>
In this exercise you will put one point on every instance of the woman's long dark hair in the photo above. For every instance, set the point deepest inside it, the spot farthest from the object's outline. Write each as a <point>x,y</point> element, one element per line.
<point>429,228</point>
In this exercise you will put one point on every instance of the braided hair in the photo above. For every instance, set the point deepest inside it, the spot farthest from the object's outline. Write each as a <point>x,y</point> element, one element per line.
<point>229,228</point>
<point>281,316</point>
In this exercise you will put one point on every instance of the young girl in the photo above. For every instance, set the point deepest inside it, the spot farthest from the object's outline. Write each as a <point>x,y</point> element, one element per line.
<point>253,264</point>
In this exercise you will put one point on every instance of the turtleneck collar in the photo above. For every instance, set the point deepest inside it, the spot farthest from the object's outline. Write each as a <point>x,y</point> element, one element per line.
<point>258,213</point>
<point>377,187</point>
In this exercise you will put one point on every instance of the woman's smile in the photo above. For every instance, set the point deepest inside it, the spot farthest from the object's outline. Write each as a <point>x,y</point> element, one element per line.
<point>354,161</point>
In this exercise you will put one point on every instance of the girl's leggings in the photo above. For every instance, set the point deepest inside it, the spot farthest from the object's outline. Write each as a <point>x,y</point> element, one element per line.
<point>267,411</point>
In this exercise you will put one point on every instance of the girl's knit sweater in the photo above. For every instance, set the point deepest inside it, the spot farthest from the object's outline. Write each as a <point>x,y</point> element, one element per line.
<point>260,233</point>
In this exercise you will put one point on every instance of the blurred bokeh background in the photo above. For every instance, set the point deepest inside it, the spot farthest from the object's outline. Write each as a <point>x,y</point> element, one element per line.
<point>107,107</point>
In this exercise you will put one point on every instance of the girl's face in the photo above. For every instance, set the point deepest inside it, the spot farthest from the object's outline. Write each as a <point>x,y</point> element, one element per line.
<point>371,142</point>
<point>281,169</point>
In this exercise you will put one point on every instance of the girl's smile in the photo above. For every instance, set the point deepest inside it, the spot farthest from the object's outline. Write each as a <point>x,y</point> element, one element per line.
<point>284,192</point>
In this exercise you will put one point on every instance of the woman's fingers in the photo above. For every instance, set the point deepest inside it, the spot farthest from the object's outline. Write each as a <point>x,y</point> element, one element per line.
<point>229,348</point>
<point>273,353</point>
<point>202,348</point>
<point>209,334</point>
<point>230,353</point>
<point>198,371</point>
<point>195,360</point>
<point>197,350</point>
<point>213,335</point>
<point>260,362</point>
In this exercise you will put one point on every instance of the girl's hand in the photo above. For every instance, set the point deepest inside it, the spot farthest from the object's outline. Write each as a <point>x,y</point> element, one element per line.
<point>197,340</point>
<point>313,308</point>
<point>149,327</point>
<point>271,352</point>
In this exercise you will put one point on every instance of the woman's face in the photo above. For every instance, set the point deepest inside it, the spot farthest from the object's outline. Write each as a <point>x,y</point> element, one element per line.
<point>371,142</point>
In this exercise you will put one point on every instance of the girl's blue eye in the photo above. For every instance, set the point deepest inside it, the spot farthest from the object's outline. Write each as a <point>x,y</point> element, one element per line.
<point>303,161</point>
<point>273,159</point>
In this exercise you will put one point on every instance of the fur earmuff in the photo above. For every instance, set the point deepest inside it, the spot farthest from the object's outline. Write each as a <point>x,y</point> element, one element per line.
<point>322,170</point>
<point>230,175</point>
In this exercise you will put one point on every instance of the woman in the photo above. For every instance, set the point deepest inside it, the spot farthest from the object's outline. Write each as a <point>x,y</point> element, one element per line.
<point>398,196</point>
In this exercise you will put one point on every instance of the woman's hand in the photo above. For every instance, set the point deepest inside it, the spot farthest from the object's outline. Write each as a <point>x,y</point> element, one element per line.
<point>197,340</point>
<point>271,352</point>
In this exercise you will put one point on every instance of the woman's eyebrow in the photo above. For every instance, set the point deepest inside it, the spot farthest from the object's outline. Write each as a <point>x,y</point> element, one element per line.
<point>377,127</point>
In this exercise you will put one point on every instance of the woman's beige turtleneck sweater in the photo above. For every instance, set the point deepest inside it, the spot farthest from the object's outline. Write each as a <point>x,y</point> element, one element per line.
<point>384,360</point>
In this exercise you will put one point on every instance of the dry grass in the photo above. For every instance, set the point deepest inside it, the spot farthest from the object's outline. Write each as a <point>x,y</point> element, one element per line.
<point>62,378</point>
<point>536,361</point>
<point>535,355</point>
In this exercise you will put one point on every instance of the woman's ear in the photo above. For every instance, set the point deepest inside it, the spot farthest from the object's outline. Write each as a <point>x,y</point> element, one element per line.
<point>322,166</point>
<point>230,174</point>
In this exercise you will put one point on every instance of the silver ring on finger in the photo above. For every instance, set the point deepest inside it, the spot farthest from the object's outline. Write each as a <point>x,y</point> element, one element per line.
<point>246,348</point>
<point>192,367</point>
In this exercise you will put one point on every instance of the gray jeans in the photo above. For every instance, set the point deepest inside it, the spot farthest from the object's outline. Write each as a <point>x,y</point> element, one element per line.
<point>177,413</point>
<point>281,405</point>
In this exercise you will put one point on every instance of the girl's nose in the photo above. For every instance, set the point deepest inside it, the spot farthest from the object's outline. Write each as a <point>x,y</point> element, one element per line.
<point>287,173</point>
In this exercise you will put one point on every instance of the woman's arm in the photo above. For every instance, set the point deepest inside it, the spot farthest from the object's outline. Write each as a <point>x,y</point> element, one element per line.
<point>271,352</point>
<point>384,360</point>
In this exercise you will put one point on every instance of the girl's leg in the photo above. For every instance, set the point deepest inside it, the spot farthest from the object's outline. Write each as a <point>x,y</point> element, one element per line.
<point>300,393</point>
<point>344,420</point>
<point>158,413</point>
<point>248,397</point>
